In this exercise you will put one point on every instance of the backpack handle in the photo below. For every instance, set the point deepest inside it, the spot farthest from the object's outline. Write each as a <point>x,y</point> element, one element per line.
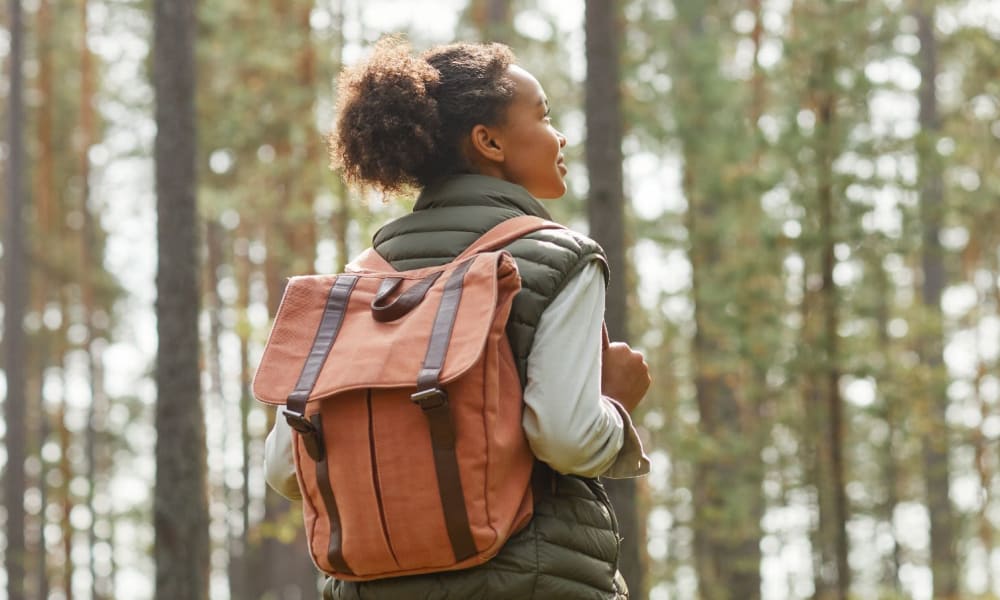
<point>384,312</point>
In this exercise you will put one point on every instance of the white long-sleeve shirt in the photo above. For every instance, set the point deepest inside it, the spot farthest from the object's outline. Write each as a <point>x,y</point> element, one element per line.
<point>567,421</point>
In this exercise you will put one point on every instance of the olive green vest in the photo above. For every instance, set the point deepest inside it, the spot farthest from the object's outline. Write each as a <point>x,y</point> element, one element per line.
<point>569,550</point>
<point>449,217</point>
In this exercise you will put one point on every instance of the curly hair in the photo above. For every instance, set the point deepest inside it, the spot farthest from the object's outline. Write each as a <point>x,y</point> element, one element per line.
<point>401,119</point>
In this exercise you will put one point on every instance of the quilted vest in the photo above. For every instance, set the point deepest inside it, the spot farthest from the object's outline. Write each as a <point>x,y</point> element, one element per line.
<point>569,550</point>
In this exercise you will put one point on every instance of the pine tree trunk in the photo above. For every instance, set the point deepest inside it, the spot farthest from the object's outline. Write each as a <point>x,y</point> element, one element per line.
<point>240,569</point>
<point>86,277</point>
<point>606,215</point>
<point>66,472</point>
<point>47,212</point>
<point>890,418</point>
<point>726,491</point>
<point>180,507</point>
<point>42,563</point>
<point>936,442</point>
<point>829,381</point>
<point>733,278</point>
<point>15,286</point>
<point>279,564</point>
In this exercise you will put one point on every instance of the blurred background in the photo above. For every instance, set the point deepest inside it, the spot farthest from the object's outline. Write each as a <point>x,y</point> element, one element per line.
<point>802,198</point>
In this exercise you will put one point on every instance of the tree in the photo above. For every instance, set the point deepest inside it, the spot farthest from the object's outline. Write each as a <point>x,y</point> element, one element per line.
<point>15,284</point>
<point>606,215</point>
<point>180,504</point>
<point>936,442</point>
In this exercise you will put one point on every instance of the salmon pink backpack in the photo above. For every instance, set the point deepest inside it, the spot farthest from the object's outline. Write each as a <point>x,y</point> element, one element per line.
<point>406,405</point>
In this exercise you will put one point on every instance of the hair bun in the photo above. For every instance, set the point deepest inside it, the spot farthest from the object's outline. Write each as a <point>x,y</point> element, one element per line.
<point>401,118</point>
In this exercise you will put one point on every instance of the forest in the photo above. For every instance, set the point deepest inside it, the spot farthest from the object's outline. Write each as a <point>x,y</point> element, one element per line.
<point>800,201</point>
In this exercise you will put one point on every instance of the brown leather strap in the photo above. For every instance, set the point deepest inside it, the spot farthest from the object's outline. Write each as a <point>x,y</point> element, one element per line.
<point>434,402</point>
<point>326,333</point>
<point>311,430</point>
<point>334,551</point>
<point>407,301</point>
<point>505,233</point>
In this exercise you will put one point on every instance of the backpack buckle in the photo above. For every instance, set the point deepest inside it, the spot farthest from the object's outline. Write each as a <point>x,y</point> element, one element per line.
<point>311,436</point>
<point>430,399</point>
<point>298,422</point>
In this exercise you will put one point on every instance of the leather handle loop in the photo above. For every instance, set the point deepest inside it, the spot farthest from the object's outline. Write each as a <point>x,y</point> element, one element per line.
<point>388,286</point>
<point>407,301</point>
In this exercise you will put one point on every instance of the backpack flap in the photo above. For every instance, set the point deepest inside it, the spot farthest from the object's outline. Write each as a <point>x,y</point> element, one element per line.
<point>380,333</point>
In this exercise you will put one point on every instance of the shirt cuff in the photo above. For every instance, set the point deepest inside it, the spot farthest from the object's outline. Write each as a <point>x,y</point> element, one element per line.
<point>631,460</point>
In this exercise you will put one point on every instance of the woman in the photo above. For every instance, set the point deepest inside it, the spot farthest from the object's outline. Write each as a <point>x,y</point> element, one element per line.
<point>470,130</point>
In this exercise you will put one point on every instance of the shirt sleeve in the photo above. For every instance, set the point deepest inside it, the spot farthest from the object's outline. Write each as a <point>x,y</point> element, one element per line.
<point>567,421</point>
<point>279,465</point>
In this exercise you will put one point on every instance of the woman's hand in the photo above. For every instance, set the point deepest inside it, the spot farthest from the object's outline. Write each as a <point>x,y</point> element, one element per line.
<point>624,375</point>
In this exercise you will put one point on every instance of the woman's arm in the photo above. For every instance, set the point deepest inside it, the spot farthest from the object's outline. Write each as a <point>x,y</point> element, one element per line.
<point>569,424</point>
<point>279,466</point>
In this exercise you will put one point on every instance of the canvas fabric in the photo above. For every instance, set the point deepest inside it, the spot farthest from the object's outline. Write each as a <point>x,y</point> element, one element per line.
<point>394,380</point>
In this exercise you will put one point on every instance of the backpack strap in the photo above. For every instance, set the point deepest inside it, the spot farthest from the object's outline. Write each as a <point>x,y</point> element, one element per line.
<point>506,232</point>
<point>433,401</point>
<point>369,260</point>
<point>494,239</point>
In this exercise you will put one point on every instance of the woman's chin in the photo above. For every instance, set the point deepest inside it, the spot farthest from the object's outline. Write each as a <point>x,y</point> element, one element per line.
<point>553,193</point>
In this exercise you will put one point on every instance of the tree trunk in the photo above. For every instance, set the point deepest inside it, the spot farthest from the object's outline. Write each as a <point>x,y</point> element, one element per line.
<point>66,475</point>
<point>88,267</point>
<point>606,215</point>
<point>180,506</point>
<point>833,496</point>
<point>47,213</point>
<point>936,442</point>
<point>278,565</point>
<point>42,556</point>
<point>729,293</point>
<point>15,284</point>
<point>890,416</point>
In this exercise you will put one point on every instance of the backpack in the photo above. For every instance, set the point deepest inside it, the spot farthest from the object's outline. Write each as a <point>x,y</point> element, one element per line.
<point>406,407</point>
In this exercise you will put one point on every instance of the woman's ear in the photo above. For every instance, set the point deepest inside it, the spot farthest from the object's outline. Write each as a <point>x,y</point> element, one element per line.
<point>486,144</point>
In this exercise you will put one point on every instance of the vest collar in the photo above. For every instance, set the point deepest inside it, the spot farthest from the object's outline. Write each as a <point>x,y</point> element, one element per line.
<point>480,190</point>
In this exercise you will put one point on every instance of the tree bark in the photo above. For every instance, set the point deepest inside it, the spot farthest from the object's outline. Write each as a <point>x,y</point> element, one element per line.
<point>834,505</point>
<point>936,442</point>
<point>97,408</point>
<point>606,215</point>
<point>731,296</point>
<point>180,506</point>
<point>15,284</point>
<point>890,416</point>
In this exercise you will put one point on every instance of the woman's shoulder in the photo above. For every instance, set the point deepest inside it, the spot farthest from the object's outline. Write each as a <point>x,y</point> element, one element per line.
<point>563,250</point>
